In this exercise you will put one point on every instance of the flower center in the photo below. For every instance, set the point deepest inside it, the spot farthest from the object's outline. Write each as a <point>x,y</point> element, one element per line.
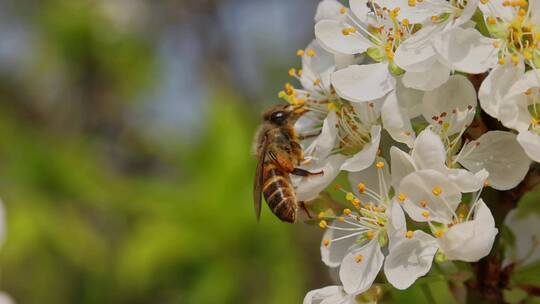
<point>352,132</point>
<point>533,102</point>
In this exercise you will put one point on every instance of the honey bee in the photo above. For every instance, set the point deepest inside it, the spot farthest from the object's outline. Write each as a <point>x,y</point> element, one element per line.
<point>279,154</point>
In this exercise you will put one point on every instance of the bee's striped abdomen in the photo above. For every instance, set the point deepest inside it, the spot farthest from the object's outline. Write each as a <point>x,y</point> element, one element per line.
<point>279,193</point>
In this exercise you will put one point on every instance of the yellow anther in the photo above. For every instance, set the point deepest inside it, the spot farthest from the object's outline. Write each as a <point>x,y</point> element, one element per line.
<point>390,55</point>
<point>522,13</point>
<point>341,219</point>
<point>282,94</point>
<point>379,165</point>
<point>515,59</point>
<point>361,187</point>
<point>522,3</point>
<point>436,190</point>
<point>423,203</point>
<point>331,106</point>
<point>527,55</point>
<point>507,3</point>
<point>535,122</point>
<point>323,224</point>
<point>300,72</point>
<point>358,258</point>
<point>406,22</point>
<point>347,211</point>
<point>412,2</point>
<point>300,52</point>
<point>434,18</point>
<point>348,30</point>
<point>316,82</point>
<point>343,10</point>
<point>484,1</point>
<point>370,235</point>
<point>349,196</point>
<point>402,197</point>
<point>292,72</point>
<point>492,20</point>
<point>502,60</point>
<point>439,233</point>
<point>326,242</point>
<point>496,44</point>
<point>425,214</point>
<point>320,215</point>
<point>310,52</point>
<point>409,234</point>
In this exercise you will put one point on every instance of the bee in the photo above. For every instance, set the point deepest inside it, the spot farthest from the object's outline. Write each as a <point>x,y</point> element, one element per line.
<point>279,154</point>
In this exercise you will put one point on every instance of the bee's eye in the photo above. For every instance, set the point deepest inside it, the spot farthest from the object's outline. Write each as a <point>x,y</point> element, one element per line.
<point>278,117</point>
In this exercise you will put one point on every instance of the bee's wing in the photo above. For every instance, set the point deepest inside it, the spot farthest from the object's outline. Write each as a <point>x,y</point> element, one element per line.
<point>258,181</point>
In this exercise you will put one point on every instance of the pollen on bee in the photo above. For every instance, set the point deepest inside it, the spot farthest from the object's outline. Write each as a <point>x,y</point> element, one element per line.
<point>436,191</point>
<point>323,224</point>
<point>349,196</point>
<point>361,187</point>
<point>326,242</point>
<point>402,197</point>
<point>409,234</point>
<point>425,214</point>
<point>358,258</point>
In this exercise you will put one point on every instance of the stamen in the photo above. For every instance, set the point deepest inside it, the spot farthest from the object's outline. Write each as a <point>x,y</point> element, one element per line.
<point>358,258</point>
<point>409,234</point>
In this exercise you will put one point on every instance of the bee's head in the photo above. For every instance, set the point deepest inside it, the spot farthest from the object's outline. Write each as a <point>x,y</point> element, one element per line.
<point>282,114</point>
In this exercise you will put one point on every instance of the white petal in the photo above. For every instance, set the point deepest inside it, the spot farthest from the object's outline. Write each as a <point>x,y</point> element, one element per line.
<point>467,181</point>
<point>402,165</point>
<point>457,95</point>
<point>419,187</point>
<point>329,9</point>
<point>514,112</point>
<point>429,152</point>
<point>501,155</point>
<point>410,99</point>
<point>416,54</point>
<point>315,67</point>
<point>362,11</point>
<point>466,50</point>
<point>6,299</point>
<point>360,83</point>
<point>525,227</point>
<point>370,177</point>
<point>410,259</point>
<point>396,121</point>
<point>534,9</point>
<point>330,36</point>
<point>428,80</point>
<point>357,277</point>
<point>530,142</point>
<point>325,142</point>
<point>418,13</point>
<point>364,158</point>
<point>497,84</point>
<point>308,188</point>
<point>397,227</point>
<point>333,253</point>
<point>497,9</point>
<point>472,240</point>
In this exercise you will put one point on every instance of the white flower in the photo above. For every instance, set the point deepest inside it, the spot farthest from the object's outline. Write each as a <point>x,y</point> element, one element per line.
<point>356,240</point>
<point>430,197</point>
<point>421,54</point>
<point>329,295</point>
<point>525,228</point>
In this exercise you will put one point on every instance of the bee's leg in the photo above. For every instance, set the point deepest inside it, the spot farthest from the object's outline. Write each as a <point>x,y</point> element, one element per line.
<point>302,172</point>
<point>303,206</point>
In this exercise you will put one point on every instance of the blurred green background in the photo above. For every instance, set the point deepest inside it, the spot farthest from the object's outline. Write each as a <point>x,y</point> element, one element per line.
<point>125,162</point>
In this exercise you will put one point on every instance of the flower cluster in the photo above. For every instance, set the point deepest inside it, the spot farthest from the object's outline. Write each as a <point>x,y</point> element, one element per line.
<point>391,103</point>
